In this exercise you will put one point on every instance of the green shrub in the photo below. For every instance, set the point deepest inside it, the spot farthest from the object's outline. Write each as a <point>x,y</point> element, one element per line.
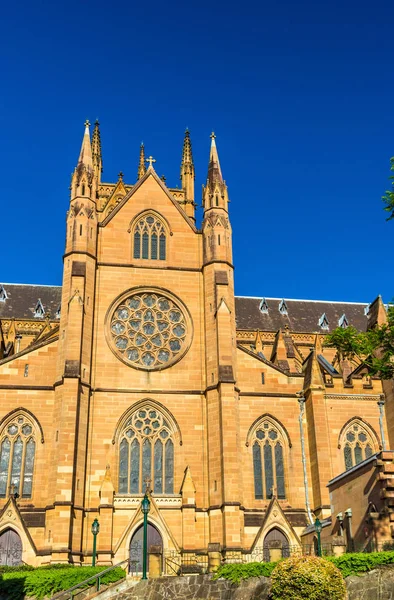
<point>7,569</point>
<point>235,572</point>
<point>307,578</point>
<point>43,582</point>
<point>360,562</point>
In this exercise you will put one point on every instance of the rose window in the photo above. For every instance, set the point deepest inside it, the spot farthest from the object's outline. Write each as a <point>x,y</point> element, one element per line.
<point>149,330</point>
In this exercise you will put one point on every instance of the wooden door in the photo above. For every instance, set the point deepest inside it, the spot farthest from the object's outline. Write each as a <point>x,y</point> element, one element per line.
<point>136,546</point>
<point>10,548</point>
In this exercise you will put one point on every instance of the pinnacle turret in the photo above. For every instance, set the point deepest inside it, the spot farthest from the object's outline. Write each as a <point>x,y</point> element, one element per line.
<point>96,150</point>
<point>141,165</point>
<point>187,175</point>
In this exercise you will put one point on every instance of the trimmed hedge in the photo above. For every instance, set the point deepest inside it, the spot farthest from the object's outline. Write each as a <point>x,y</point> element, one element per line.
<point>360,562</point>
<point>238,571</point>
<point>348,564</point>
<point>307,578</point>
<point>47,581</point>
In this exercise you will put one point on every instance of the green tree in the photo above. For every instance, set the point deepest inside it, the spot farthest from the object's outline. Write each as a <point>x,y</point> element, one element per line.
<point>388,198</point>
<point>374,348</point>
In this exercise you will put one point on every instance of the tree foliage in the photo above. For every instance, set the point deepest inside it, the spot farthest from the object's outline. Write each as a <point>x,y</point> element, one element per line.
<point>388,198</point>
<point>374,348</point>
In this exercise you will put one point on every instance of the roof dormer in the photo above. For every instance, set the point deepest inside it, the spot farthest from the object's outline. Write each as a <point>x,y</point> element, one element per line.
<point>343,322</point>
<point>282,307</point>
<point>39,311</point>
<point>323,322</point>
<point>3,293</point>
<point>263,308</point>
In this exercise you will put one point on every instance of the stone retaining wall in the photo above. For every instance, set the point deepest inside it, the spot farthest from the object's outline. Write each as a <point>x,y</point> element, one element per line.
<point>197,587</point>
<point>375,585</point>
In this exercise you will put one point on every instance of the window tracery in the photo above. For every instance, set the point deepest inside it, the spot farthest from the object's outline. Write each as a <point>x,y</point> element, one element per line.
<point>268,462</point>
<point>146,451</point>
<point>17,454</point>
<point>149,238</point>
<point>358,444</point>
<point>149,329</point>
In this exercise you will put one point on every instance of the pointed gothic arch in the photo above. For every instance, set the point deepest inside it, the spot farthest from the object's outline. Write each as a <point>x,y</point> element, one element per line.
<point>358,442</point>
<point>18,442</point>
<point>146,438</point>
<point>274,421</point>
<point>269,442</point>
<point>149,233</point>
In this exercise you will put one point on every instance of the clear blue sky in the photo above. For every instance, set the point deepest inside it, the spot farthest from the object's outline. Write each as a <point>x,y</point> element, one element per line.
<point>300,95</point>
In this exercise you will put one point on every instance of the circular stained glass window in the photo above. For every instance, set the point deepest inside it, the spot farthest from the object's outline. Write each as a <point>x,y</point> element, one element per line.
<point>149,329</point>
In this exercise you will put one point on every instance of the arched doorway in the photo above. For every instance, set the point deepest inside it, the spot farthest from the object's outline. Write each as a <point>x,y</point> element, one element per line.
<point>10,548</point>
<point>276,545</point>
<point>136,546</point>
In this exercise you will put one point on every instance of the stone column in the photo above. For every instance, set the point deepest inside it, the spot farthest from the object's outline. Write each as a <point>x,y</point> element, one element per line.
<point>155,561</point>
<point>214,557</point>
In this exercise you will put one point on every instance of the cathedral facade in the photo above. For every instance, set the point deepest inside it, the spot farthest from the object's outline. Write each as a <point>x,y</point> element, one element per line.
<point>143,371</point>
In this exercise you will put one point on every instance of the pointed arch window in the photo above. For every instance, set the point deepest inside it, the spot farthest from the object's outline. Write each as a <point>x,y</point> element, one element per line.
<point>149,238</point>
<point>17,454</point>
<point>358,444</point>
<point>268,462</point>
<point>146,451</point>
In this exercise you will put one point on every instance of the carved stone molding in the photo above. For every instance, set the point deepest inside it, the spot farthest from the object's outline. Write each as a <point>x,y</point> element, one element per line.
<point>133,502</point>
<point>351,397</point>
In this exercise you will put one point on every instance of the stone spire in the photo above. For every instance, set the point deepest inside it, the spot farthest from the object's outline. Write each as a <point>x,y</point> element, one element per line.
<point>82,182</point>
<point>187,175</point>
<point>141,165</point>
<point>215,191</point>
<point>85,156</point>
<point>96,150</point>
<point>214,171</point>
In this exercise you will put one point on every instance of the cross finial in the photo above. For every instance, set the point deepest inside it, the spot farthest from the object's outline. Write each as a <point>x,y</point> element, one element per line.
<point>120,175</point>
<point>213,135</point>
<point>150,160</point>
<point>147,482</point>
<point>87,123</point>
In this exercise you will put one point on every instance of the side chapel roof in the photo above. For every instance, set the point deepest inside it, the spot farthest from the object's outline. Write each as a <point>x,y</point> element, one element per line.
<point>22,299</point>
<point>301,315</point>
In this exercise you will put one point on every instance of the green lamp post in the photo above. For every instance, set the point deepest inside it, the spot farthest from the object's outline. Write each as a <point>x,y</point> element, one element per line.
<point>318,528</point>
<point>145,506</point>
<point>95,531</point>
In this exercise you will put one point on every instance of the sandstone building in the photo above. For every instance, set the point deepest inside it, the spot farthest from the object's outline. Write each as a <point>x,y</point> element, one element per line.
<point>144,370</point>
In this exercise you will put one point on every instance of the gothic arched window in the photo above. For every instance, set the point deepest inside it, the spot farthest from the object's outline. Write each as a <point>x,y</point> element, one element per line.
<point>146,451</point>
<point>268,461</point>
<point>17,452</point>
<point>358,444</point>
<point>149,238</point>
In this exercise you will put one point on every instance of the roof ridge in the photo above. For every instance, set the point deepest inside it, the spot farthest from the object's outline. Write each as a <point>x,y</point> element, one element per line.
<point>304,300</point>
<point>33,284</point>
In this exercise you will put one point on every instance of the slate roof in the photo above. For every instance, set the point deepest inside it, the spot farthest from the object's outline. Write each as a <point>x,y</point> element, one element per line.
<point>22,300</point>
<point>302,315</point>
